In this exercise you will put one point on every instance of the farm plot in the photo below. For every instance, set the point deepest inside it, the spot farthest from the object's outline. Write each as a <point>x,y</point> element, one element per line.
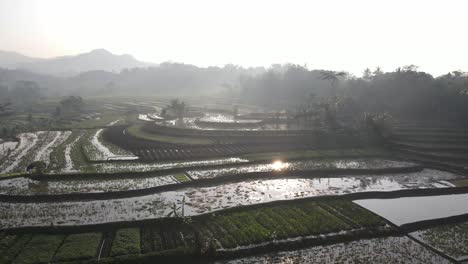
<point>40,249</point>
<point>313,154</point>
<point>407,210</point>
<point>79,247</point>
<point>378,250</point>
<point>36,146</point>
<point>54,138</point>
<point>227,231</point>
<point>202,199</point>
<point>7,147</point>
<point>61,156</point>
<point>450,239</point>
<point>217,118</point>
<point>11,245</point>
<point>27,186</point>
<point>96,149</point>
<point>301,165</point>
<point>144,117</point>
<point>257,226</point>
<point>26,143</point>
<point>126,242</point>
<point>143,166</point>
<point>169,237</point>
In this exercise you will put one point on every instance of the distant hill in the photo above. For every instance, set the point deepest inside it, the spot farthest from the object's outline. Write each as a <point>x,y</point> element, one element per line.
<point>10,59</point>
<point>96,60</point>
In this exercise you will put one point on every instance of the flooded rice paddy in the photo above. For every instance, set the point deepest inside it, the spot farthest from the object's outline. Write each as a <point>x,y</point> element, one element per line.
<point>378,250</point>
<point>101,152</point>
<point>224,118</point>
<point>35,146</point>
<point>6,147</point>
<point>407,210</point>
<point>27,186</point>
<point>450,239</point>
<point>144,166</point>
<point>206,199</point>
<point>301,165</point>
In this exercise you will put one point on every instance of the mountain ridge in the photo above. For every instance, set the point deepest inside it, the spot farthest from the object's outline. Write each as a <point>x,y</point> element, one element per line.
<point>70,65</point>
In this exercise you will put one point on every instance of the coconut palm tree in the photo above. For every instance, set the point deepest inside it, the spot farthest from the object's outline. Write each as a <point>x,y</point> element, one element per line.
<point>332,77</point>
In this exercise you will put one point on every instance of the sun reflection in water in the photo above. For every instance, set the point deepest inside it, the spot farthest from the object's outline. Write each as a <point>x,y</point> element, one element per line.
<point>279,165</point>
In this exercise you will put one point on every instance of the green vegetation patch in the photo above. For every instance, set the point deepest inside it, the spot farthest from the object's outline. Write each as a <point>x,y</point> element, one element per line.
<point>266,224</point>
<point>136,131</point>
<point>451,239</point>
<point>79,247</point>
<point>8,255</point>
<point>460,183</point>
<point>311,154</point>
<point>354,213</point>
<point>126,242</point>
<point>13,174</point>
<point>181,177</point>
<point>40,249</point>
<point>168,237</point>
<point>6,241</point>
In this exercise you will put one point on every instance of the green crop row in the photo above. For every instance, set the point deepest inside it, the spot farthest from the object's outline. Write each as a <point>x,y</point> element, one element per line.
<point>79,247</point>
<point>126,242</point>
<point>167,237</point>
<point>40,249</point>
<point>229,229</point>
<point>45,248</point>
<point>15,245</point>
<point>355,213</point>
<point>266,224</point>
<point>312,154</point>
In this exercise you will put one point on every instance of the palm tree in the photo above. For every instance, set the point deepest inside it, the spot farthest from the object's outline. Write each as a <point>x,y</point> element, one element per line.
<point>332,77</point>
<point>178,107</point>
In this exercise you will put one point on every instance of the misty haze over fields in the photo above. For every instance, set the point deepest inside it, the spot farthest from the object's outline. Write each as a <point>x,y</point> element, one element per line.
<point>233,132</point>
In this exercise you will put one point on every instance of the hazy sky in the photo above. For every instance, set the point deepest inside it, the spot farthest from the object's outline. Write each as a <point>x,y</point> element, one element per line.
<point>341,35</point>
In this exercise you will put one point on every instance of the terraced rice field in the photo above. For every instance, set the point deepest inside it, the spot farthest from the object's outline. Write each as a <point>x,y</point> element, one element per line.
<point>27,186</point>
<point>408,210</point>
<point>224,232</point>
<point>220,195</point>
<point>199,200</point>
<point>450,239</point>
<point>97,150</point>
<point>35,146</point>
<point>301,165</point>
<point>379,250</point>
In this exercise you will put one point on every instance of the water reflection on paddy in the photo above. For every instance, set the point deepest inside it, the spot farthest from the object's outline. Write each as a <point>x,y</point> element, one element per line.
<point>206,199</point>
<point>27,186</point>
<point>301,165</point>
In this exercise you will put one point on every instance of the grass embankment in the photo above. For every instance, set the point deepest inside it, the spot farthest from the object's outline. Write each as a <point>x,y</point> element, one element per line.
<point>13,174</point>
<point>203,234</point>
<point>312,154</point>
<point>181,177</point>
<point>460,183</point>
<point>136,131</point>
